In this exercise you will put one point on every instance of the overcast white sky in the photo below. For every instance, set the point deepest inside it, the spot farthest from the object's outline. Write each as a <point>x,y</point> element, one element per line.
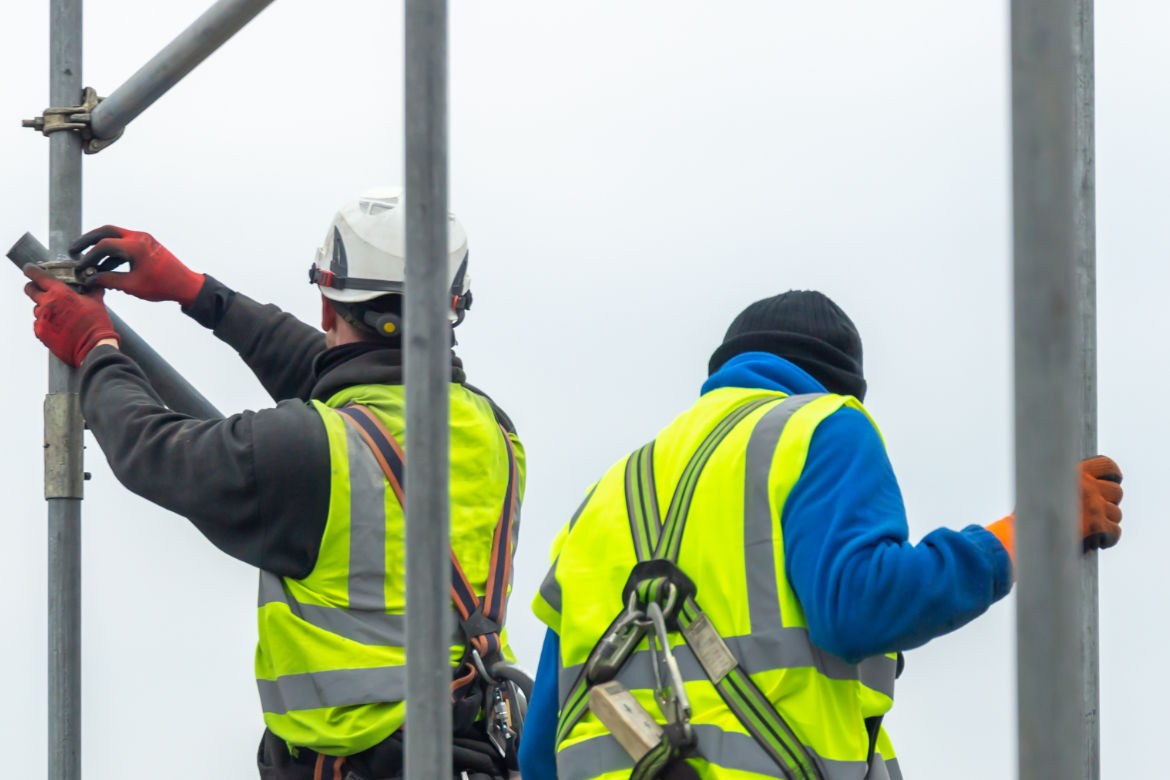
<point>630,176</point>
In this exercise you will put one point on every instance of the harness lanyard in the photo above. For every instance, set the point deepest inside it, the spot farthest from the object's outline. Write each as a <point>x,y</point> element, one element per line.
<point>657,539</point>
<point>481,620</point>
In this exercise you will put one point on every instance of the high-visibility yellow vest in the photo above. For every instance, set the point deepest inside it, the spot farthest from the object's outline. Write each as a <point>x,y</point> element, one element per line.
<point>330,664</point>
<point>733,550</point>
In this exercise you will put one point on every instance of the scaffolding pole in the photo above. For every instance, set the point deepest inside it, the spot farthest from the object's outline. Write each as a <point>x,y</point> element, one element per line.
<point>169,66</point>
<point>428,377</point>
<point>1086,280</point>
<point>1047,399</point>
<point>63,429</point>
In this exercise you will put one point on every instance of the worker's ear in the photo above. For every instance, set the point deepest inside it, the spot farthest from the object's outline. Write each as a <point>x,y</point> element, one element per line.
<point>328,315</point>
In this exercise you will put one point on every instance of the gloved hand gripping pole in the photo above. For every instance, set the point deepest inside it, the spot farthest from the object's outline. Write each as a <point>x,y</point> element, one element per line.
<point>172,387</point>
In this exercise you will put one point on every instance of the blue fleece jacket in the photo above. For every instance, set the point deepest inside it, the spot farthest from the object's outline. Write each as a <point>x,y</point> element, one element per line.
<point>864,588</point>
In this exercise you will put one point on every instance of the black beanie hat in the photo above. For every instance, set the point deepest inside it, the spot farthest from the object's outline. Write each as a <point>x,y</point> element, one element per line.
<point>805,327</point>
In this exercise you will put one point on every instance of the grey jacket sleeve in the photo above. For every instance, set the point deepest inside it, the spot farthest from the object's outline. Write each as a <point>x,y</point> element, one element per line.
<point>279,348</point>
<point>255,484</point>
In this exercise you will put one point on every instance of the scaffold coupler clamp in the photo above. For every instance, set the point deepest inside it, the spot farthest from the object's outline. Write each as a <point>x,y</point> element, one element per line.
<point>66,271</point>
<point>78,119</point>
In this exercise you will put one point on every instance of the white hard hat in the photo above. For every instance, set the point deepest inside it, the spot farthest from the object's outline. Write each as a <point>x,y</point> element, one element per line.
<point>364,254</point>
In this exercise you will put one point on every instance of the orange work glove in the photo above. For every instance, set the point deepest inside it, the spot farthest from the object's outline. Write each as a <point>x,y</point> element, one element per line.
<point>1100,514</point>
<point>1100,496</point>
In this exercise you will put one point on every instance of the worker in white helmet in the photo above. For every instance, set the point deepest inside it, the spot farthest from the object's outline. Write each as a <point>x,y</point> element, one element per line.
<point>310,491</point>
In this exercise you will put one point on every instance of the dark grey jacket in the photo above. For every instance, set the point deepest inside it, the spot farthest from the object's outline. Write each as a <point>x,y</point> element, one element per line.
<point>257,483</point>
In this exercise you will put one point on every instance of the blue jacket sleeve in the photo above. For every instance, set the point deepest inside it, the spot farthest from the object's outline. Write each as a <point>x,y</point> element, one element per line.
<point>538,747</point>
<point>864,588</point>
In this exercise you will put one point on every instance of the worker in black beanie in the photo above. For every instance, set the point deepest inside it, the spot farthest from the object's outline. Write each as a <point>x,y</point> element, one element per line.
<point>763,536</point>
<point>806,328</point>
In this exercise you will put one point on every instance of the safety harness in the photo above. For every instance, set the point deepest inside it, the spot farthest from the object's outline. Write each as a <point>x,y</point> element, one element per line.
<point>660,599</point>
<point>480,619</point>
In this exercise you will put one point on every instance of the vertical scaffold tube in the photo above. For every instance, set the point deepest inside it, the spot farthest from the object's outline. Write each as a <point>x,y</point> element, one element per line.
<point>1086,205</point>
<point>63,429</point>
<point>428,376</point>
<point>1047,399</point>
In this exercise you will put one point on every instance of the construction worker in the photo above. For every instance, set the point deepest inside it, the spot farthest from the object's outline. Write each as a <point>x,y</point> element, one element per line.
<point>309,491</point>
<point>747,576</point>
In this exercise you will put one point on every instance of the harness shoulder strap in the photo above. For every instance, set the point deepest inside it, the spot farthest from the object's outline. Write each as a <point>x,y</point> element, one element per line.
<point>480,620</point>
<point>751,707</point>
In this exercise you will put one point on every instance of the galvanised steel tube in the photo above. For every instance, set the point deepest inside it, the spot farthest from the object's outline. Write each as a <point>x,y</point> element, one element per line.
<point>63,433</point>
<point>428,377</point>
<point>170,385</point>
<point>165,69</point>
<point>1086,270</point>
<point>175,391</point>
<point>1047,399</point>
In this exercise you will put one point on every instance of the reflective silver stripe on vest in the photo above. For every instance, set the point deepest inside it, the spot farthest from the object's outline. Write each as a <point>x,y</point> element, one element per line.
<point>367,628</point>
<point>778,648</point>
<point>515,536</point>
<point>367,525</point>
<point>550,589</point>
<point>729,749</point>
<point>884,770</point>
<point>337,688</point>
<point>877,673</point>
<point>517,509</point>
<point>758,547</point>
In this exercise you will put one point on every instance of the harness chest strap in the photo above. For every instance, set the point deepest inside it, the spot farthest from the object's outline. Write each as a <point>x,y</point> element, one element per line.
<point>481,620</point>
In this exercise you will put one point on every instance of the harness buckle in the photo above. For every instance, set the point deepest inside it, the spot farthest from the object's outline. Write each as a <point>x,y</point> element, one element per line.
<point>498,715</point>
<point>318,275</point>
<point>659,580</point>
<point>499,720</point>
<point>477,662</point>
<point>616,645</point>
<point>669,691</point>
<point>479,624</point>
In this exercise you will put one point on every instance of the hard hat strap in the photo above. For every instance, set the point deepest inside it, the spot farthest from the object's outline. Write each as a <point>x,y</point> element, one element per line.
<point>461,301</point>
<point>325,278</point>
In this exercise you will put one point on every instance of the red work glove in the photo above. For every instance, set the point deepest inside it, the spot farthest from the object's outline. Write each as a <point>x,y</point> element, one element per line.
<point>69,323</point>
<point>155,274</point>
<point>1100,514</point>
